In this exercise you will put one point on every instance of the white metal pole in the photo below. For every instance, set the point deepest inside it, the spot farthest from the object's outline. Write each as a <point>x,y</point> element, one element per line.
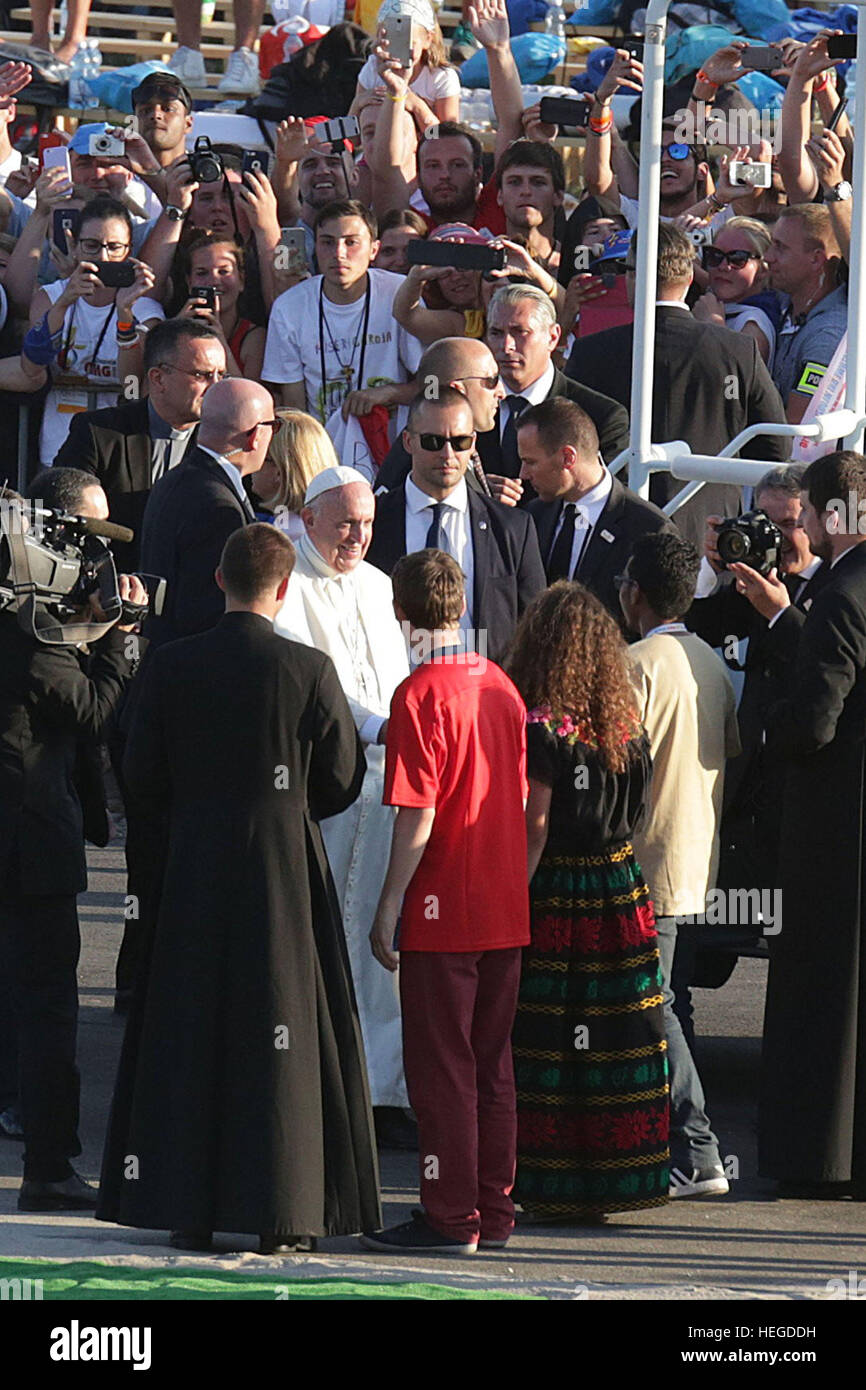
<point>855,365</point>
<point>649,189</point>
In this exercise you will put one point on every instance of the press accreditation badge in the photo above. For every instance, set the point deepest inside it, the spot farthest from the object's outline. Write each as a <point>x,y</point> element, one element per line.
<point>70,401</point>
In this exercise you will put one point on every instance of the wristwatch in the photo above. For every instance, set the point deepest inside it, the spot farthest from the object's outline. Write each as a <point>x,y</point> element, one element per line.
<point>174,214</point>
<point>840,194</point>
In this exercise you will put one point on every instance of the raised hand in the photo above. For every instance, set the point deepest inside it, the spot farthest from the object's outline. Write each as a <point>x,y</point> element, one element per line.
<point>488,20</point>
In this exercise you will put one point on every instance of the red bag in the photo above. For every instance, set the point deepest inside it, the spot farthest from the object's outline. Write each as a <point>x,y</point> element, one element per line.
<point>281,43</point>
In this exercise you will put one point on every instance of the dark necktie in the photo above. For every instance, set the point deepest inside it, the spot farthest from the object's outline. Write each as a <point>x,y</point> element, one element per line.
<point>559,561</point>
<point>510,456</point>
<point>436,538</point>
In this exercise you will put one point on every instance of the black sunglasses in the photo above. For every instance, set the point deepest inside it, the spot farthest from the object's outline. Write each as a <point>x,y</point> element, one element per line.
<point>714,256</point>
<point>274,425</point>
<point>435,442</point>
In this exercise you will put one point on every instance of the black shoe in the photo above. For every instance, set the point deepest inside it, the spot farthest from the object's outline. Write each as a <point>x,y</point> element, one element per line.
<point>279,1243</point>
<point>198,1241</point>
<point>415,1237</point>
<point>72,1194</point>
<point>394,1129</point>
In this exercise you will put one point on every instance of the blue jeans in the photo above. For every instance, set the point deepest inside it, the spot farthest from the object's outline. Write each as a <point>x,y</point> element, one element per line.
<point>693,1143</point>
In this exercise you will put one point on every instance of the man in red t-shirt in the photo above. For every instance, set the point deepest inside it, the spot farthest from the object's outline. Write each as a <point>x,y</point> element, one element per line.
<point>457,883</point>
<point>449,176</point>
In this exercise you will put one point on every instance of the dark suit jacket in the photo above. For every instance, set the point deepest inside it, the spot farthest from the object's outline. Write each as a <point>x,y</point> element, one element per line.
<point>190,515</point>
<point>114,445</point>
<point>709,384</point>
<point>610,419</point>
<point>508,568</point>
<point>605,554</point>
<point>47,705</point>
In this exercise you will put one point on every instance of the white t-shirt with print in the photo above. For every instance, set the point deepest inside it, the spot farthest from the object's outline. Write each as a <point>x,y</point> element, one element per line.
<point>431,84</point>
<point>292,348</point>
<point>82,327</point>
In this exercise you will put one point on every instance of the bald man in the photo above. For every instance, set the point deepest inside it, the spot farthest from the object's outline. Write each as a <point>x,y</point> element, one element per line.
<point>469,366</point>
<point>194,509</point>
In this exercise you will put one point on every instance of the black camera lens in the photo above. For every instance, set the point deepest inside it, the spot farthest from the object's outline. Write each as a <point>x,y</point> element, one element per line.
<point>750,539</point>
<point>733,546</point>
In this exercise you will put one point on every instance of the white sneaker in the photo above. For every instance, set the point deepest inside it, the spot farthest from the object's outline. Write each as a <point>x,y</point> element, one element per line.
<point>188,65</point>
<point>242,74</point>
<point>701,1182</point>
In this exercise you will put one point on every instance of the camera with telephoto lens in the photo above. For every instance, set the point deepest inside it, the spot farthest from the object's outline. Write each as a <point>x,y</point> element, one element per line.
<point>205,163</point>
<point>750,539</point>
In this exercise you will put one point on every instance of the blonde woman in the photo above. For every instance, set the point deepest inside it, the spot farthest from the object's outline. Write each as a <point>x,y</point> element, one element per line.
<point>299,450</point>
<point>738,296</point>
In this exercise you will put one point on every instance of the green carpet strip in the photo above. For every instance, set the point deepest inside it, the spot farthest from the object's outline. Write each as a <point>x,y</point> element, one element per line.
<point>91,1281</point>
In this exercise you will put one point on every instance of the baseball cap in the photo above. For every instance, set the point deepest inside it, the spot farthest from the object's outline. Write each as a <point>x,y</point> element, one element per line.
<point>615,247</point>
<point>80,142</point>
<point>461,231</point>
<point>420,10</point>
<point>161,84</point>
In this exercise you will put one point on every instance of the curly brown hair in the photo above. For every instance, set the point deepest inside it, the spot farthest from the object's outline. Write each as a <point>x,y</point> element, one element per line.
<point>568,653</point>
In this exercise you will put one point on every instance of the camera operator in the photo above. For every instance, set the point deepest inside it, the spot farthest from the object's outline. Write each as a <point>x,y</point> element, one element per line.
<point>723,612</point>
<point>48,703</point>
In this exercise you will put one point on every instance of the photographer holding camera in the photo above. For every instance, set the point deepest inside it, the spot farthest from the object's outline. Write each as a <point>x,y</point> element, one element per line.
<point>48,703</point>
<point>87,326</point>
<point>742,609</point>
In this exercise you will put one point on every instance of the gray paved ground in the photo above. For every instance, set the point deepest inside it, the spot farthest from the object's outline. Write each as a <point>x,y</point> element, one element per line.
<point>743,1246</point>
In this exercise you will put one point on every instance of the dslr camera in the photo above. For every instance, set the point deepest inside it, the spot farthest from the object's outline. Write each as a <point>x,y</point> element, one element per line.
<point>750,539</point>
<point>206,165</point>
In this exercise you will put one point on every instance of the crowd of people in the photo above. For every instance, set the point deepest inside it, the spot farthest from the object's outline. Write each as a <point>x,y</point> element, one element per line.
<point>428,745</point>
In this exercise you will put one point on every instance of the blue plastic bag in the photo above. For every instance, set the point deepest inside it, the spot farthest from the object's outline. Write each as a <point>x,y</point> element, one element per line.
<point>688,49</point>
<point>115,88</point>
<point>536,55</point>
<point>522,13</point>
<point>596,12</point>
<point>761,18</point>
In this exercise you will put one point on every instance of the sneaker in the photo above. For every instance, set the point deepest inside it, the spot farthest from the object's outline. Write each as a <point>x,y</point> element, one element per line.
<point>188,65</point>
<point>242,74</point>
<point>702,1182</point>
<point>415,1237</point>
<point>492,1244</point>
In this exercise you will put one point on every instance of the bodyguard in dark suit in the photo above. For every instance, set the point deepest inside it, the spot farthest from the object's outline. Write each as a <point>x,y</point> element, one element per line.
<point>128,447</point>
<point>495,546</point>
<point>47,705</point>
<point>811,1131</point>
<point>194,509</point>
<point>587,521</point>
<point>529,377</point>
<point>708,384</point>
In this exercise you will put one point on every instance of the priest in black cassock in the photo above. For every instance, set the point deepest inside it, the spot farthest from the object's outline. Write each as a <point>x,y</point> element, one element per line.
<point>812,1134</point>
<point>241,1103</point>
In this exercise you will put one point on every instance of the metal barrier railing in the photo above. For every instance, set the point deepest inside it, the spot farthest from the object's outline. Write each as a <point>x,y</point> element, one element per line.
<point>642,456</point>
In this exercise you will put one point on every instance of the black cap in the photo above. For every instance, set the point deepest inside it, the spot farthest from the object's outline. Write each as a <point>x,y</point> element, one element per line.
<point>161,82</point>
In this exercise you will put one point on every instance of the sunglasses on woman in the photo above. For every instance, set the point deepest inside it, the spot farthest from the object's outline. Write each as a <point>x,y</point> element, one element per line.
<point>714,256</point>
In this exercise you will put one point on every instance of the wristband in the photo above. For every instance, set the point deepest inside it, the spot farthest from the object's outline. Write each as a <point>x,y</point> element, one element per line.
<point>39,345</point>
<point>715,202</point>
<point>821,84</point>
<point>707,81</point>
<point>401,97</point>
<point>125,327</point>
<point>600,125</point>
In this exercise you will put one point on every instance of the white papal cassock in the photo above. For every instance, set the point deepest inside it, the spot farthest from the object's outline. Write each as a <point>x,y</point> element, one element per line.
<point>350,616</point>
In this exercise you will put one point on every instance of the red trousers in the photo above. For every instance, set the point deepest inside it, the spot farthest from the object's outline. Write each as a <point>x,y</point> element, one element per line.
<point>458,1010</point>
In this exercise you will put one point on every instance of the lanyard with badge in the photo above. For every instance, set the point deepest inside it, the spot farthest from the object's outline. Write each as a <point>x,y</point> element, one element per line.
<point>346,368</point>
<point>69,400</point>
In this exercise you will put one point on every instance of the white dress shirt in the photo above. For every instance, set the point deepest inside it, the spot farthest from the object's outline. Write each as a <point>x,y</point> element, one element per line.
<point>233,474</point>
<point>586,516</point>
<point>455,524</point>
<point>534,394</point>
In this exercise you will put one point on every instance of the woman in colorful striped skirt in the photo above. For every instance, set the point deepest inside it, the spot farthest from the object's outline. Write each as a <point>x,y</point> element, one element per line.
<point>589,1042</point>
